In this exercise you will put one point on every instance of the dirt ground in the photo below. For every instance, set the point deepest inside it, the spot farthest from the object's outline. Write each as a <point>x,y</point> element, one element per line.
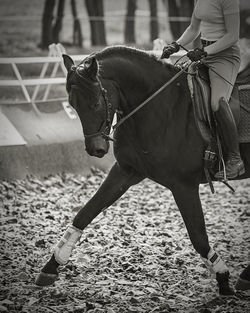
<point>134,257</point>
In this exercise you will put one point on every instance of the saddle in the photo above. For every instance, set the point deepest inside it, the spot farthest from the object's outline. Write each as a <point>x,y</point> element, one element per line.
<point>199,86</point>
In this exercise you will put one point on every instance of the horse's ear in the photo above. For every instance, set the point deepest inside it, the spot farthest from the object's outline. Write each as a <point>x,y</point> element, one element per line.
<point>68,62</point>
<point>91,66</point>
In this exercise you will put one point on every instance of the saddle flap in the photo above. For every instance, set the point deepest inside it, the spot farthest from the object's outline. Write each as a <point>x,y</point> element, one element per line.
<point>201,97</point>
<point>200,94</point>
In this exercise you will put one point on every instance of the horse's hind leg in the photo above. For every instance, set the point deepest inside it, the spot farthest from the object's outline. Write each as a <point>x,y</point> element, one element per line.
<point>188,201</point>
<point>114,186</point>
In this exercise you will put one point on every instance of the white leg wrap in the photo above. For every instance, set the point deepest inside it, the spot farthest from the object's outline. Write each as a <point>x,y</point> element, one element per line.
<point>65,246</point>
<point>214,262</point>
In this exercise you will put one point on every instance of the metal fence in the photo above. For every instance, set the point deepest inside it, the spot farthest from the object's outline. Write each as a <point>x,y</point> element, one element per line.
<point>54,57</point>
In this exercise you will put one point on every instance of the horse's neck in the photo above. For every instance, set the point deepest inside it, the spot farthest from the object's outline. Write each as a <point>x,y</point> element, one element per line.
<point>137,80</point>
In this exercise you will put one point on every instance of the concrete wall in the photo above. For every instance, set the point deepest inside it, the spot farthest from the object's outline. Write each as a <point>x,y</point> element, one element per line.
<point>43,140</point>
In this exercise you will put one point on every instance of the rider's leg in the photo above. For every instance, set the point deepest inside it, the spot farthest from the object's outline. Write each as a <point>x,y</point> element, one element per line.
<point>220,93</point>
<point>229,135</point>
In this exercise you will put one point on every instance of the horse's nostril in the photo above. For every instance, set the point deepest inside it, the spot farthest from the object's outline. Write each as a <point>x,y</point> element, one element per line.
<point>100,151</point>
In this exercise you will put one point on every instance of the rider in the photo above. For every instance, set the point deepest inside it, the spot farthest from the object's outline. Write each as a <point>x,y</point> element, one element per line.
<point>218,22</point>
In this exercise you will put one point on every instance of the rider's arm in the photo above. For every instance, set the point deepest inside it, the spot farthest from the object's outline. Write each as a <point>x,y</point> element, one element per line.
<point>232,25</point>
<point>191,33</point>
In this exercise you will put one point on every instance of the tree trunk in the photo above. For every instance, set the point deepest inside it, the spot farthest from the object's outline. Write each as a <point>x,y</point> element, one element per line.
<point>77,31</point>
<point>130,22</point>
<point>173,11</point>
<point>97,25</point>
<point>58,23</point>
<point>46,36</point>
<point>154,29</point>
<point>179,8</point>
<point>186,9</point>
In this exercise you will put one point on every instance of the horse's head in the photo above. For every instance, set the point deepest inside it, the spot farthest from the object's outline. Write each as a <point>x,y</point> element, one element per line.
<point>88,97</point>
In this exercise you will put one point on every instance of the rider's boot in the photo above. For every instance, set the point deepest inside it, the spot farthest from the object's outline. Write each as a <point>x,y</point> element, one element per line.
<point>61,255</point>
<point>229,133</point>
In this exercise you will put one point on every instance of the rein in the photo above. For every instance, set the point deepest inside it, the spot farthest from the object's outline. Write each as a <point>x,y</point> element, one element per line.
<point>105,127</point>
<point>122,120</point>
<point>106,124</point>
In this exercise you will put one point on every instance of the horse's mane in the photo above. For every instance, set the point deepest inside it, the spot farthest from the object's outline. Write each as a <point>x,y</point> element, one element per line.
<point>129,51</point>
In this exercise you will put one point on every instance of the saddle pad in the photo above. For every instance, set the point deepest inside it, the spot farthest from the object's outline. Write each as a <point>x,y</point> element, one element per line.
<point>244,125</point>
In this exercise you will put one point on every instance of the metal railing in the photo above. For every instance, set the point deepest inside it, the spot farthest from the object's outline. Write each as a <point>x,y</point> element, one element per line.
<point>54,57</point>
<point>109,16</point>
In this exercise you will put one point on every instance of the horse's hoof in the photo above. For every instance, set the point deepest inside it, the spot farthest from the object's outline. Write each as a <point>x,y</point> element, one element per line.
<point>46,279</point>
<point>226,291</point>
<point>223,284</point>
<point>242,284</point>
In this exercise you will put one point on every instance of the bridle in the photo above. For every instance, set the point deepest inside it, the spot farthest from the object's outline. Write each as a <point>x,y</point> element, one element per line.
<point>105,127</point>
<point>104,130</point>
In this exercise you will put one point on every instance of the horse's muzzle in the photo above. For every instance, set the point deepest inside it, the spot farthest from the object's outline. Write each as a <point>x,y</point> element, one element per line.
<point>97,146</point>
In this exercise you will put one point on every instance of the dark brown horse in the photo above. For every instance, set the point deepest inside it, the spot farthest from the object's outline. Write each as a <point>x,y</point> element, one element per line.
<point>160,142</point>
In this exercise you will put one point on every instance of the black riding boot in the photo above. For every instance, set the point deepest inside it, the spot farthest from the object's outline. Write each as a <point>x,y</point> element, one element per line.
<point>229,134</point>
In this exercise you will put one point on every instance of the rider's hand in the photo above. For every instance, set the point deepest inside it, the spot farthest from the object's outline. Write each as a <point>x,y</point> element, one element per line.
<point>170,49</point>
<point>196,54</point>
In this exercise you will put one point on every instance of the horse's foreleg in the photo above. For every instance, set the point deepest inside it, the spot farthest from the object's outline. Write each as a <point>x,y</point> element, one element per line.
<point>114,186</point>
<point>188,201</point>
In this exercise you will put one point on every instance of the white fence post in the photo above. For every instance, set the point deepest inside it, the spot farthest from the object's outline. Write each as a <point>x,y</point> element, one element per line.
<point>42,74</point>
<point>19,77</point>
<point>56,50</point>
<point>39,81</point>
